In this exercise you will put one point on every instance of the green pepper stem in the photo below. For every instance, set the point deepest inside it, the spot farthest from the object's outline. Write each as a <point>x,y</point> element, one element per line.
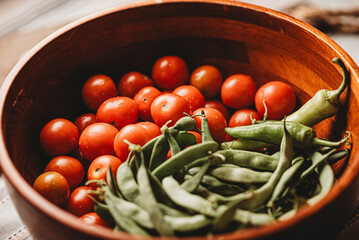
<point>345,82</point>
<point>323,142</point>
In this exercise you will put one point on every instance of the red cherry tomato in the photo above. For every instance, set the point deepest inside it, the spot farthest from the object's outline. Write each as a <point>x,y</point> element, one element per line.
<point>93,219</point>
<point>53,186</point>
<point>238,91</point>
<point>96,140</point>
<point>152,128</point>
<point>242,117</point>
<point>219,106</point>
<point>84,120</point>
<point>59,137</point>
<point>170,72</point>
<point>99,167</point>
<point>79,203</point>
<point>133,82</point>
<point>167,107</point>
<point>216,122</point>
<point>192,94</point>
<point>69,167</point>
<point>118,111</point>
<point>134,133</point>
<point>208,79</point>
<point>97,89</point>
<point>279,98</point>
<point>144,99</point>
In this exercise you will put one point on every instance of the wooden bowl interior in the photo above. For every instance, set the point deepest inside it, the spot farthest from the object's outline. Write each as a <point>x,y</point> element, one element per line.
<point>242,39</point>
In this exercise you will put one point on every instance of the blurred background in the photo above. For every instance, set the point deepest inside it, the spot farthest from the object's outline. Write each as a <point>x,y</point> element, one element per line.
<point>23,23</point>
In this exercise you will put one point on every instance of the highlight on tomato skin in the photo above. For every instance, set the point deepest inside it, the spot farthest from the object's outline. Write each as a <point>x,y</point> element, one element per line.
<point>208,79</point>
<point>53,186</point>
<point>79,202</point>
<point>97,89</point>
<point>97,140</point>
<point>243,117</point>
<point>132,82</point>
<point>144,99</point>
<point>192,95</point>
<point>59,137</point>
<point>93,218</point>
<point>169,107</point>
<point>170,72</point>
<point>279,97</point>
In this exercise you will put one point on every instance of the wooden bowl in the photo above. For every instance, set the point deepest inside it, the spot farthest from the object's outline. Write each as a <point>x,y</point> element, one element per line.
<point>235,37</point>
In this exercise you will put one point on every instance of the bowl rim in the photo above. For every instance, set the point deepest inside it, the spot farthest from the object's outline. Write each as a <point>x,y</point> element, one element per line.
<point>23,188</point>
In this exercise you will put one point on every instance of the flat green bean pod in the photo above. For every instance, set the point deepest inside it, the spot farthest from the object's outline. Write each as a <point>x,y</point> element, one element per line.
<point>188,223</point>
<point>242,158</point>
<point>187,200</point>
<point>177,162</point>
<point>127,184</point>
<point>240,175</point>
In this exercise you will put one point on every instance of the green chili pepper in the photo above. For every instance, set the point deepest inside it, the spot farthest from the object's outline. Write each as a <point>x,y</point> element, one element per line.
<point>324,104</point>
<point>272,132</point>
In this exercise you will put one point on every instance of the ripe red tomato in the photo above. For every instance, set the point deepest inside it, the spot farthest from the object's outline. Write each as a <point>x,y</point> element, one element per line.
<point>99,167</point>
<point>53,186</point>
<point>219,106</point>
<point>59,137</point>
<point>242,117</point>
<point>152,128</point>
<point>192,94</point>
<point>97,89</point>
<point>84,120</point>
<point>208,79</point>
<point>134,133</point>
<point>96,140</point>
<point>133,82</point>
<point>167,107</point>
<point>93,219</point>
<point>216,122</point>
<point>118,111</point>
<point>69,167</point>
<point>170,72</point>
<point>238,91</point>
<point>79,203</point>
<point>279,98</point>
<point>144,99</point>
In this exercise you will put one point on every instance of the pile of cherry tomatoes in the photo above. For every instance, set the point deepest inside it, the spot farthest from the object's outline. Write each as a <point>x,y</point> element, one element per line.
<point>135,109</point>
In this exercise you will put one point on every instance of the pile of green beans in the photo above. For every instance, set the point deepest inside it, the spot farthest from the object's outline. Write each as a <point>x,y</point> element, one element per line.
<point>210,188</point>
<point>203,190</point>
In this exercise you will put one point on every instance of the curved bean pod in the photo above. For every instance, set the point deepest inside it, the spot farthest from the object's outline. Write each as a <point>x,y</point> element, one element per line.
<point>188,223</point>
<point>127,184</point>
<point>177,162</point>
<point>240,175</point>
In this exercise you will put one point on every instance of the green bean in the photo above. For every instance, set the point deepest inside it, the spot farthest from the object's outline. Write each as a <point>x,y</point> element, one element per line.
<point>206,134</point>
<point>186,139</point>
<point>174,147</point>
<point>210,196</point>
<point>173,164</point>
<point>103,211</point>
<point>251,218</point>
<point>186,123</point>
<point>173,212</point>
<point>111,182</point>
<point>245,144</point>
<point>324,104</point>
<point>127,184</point>
<point>287,215</point>
<point>185,199</point>
<point>338,155</point>
<point>285,178</point>
<point>225,217</point>
<point>150,203</point>
<point>272,132</point>
<point>262,194</point>
<point>317,158</point>
<point>124,222</point>
<point>188,223</point>
<point>240,158</point>
<point>240,175</point>
<point>213,184</point>
<point>159,153</point>
<point>191,184</point>
<point>326,180</point>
